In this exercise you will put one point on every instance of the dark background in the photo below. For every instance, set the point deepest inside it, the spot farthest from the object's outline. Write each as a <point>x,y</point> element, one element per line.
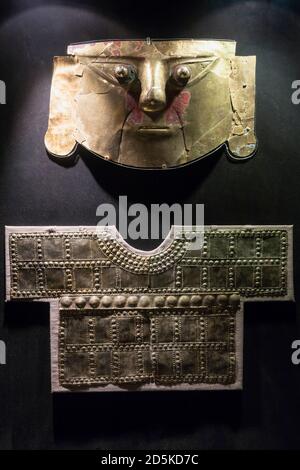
<point>36,191</point>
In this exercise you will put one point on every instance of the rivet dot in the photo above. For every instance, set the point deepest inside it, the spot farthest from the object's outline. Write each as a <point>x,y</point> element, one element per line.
<point>184,301</point>
<point>208,300</point>
<point>222,299</point>
<point>144,301</point>
<point>234,299</point>
<point>171,301</point>
<point>159,301</point>
<point>106,301</point>
<point>132,301</point>
<point>80,301</point>
<point>196,300</point>
<point>120,301</point>
<point>94,301</point>
<point>66,301</point>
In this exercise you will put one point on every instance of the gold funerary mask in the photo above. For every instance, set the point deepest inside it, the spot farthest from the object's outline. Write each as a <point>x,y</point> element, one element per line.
<point>152,103</point>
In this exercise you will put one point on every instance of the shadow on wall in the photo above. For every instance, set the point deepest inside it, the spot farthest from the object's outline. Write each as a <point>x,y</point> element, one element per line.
<point>145,184</point>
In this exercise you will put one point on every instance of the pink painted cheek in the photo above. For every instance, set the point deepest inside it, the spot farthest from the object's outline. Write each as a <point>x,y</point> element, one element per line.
<point>175,113</point>
<point>136,115</point>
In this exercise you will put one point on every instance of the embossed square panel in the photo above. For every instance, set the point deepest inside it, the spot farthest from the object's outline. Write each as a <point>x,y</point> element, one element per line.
<point>134,280</point>
<point>26,249</point>
<point>244,276</point>
<point>164,279</point>
<point>27,278</point>
<point>217,327</point>
<point>126,363</point>
<point>103,365</point>
<point>165,364</point>
<point>218,277</point>
<point>126,329</point>
<point>164,329</point>
<point>271,246</point>
<point>103,329</point>
<point>55,279</point>
<point>270,276</point>
<point>83,278</point>
<point>191,276</point>
<point>76,364</point>
<point>218,363</point>
<point>53,248</point>
<point>77,330</point>
<point>108,277</point>
<point>189,329</point>
<point>81,248</point>
<point>190,362</point>
<point>245,247</point>
<point>219,247</point>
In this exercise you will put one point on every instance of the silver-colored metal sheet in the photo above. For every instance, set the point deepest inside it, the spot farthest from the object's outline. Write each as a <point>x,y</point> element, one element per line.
<point>105,295</point>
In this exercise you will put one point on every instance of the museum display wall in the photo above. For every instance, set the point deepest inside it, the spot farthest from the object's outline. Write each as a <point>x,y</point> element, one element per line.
<point>42,188</point>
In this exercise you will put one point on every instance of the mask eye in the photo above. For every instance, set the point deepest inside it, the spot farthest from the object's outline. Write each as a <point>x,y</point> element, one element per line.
<point>124,74</point>
<point>181,74</point>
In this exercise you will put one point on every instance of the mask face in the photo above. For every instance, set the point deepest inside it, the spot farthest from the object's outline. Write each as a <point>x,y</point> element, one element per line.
<point>153,103</point>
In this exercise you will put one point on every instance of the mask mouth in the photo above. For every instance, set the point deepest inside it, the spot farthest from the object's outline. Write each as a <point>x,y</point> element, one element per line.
<point>154,130</point>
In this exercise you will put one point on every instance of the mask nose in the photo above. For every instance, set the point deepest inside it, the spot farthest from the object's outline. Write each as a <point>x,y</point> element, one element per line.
<point>153,82</point>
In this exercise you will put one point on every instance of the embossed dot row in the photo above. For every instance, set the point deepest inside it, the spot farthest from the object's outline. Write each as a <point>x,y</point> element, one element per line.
<point>245,233</point>
<point>283,273</point>
<point>143,264</point>
<point>210,379</point>
<point>181,346</point>
<point>106,347</point>
<point>146,301</point>
<point>65,264</point>
<point>106,380</point>
<point>229,262</point>
<point>164,380</point>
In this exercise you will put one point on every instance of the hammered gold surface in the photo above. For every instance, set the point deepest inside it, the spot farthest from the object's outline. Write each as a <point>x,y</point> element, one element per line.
<point>153,103</point>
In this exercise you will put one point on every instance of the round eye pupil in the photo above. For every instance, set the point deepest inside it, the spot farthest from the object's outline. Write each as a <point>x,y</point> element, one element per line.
<point>182,74</point>
<point>123,73</point>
